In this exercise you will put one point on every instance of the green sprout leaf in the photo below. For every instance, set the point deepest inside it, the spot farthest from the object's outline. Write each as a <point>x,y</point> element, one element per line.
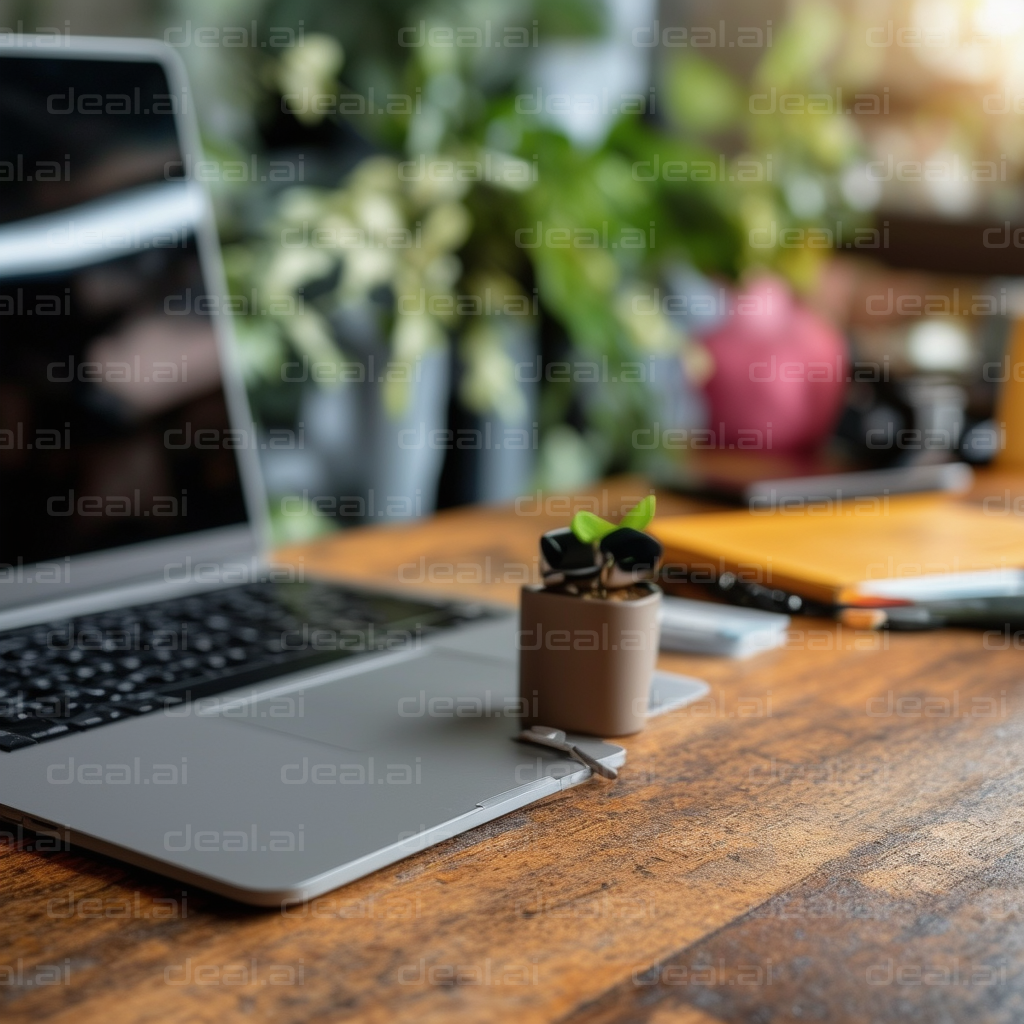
<point>638,517</point>
<point>590,528</point>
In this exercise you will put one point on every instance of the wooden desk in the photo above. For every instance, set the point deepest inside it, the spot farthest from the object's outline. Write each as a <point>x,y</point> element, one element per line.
<point>835,835</point>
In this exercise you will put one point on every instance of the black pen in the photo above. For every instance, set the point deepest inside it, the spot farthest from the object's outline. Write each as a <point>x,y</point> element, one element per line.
<point>743,592</point>
<point>976,613</point>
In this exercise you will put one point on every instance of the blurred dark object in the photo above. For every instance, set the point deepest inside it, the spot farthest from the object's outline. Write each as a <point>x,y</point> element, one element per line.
<point>979,248</point>
<point>629,556</point>
<point>752,481</point>
<point>565,557</point>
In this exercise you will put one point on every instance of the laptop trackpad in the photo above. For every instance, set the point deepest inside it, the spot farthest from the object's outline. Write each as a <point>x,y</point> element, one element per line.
<point>420,703</point>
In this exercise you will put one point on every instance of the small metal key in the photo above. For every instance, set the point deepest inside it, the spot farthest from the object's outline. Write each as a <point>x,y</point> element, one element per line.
<point>544,736</point>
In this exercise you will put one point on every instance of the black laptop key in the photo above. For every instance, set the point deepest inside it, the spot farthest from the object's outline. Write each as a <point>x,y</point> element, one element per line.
<point>97,716</point>
<point>36,729</point>
<point>15,715</point>
<point>14,741</point>
<point>96,693</point>
<point>145,705</point>
<point>54,707</point>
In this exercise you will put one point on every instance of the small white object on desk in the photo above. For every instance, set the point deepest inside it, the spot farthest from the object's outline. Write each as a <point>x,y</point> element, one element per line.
<point>701,627</point>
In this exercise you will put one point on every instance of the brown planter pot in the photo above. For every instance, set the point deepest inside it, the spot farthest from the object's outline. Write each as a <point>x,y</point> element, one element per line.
<point>586,666</point>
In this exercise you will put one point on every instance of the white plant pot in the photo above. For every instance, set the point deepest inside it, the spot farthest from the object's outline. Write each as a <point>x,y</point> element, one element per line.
<point>377,466</point>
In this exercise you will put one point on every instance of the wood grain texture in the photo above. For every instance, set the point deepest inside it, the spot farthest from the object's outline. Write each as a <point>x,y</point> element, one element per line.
<point>835,834</point>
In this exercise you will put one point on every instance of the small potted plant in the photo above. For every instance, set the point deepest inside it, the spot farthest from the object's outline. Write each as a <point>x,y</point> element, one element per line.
<point>588,638</point>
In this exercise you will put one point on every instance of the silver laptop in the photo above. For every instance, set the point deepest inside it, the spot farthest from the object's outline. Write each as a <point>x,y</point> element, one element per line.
<point>167,697</point>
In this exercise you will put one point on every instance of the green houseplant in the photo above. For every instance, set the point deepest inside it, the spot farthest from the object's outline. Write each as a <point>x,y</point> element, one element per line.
<point>582,236</point>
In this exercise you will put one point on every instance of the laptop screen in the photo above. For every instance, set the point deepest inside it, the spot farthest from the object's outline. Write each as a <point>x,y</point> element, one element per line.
<point>113,423</point>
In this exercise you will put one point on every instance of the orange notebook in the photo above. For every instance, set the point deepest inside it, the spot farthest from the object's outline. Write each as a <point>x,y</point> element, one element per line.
<point>832,551</point>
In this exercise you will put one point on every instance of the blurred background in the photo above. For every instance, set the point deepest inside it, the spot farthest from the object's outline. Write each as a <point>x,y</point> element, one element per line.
<point>480,248</point>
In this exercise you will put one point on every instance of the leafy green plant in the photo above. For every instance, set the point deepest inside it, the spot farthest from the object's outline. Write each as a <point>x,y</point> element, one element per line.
<point>459,108</point>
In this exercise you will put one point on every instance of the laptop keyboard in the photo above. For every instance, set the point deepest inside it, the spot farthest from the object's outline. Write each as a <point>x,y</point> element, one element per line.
<point>82,673</point>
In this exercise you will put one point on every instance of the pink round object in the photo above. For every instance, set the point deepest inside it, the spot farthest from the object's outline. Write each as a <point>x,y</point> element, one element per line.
<point>779,372</point>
